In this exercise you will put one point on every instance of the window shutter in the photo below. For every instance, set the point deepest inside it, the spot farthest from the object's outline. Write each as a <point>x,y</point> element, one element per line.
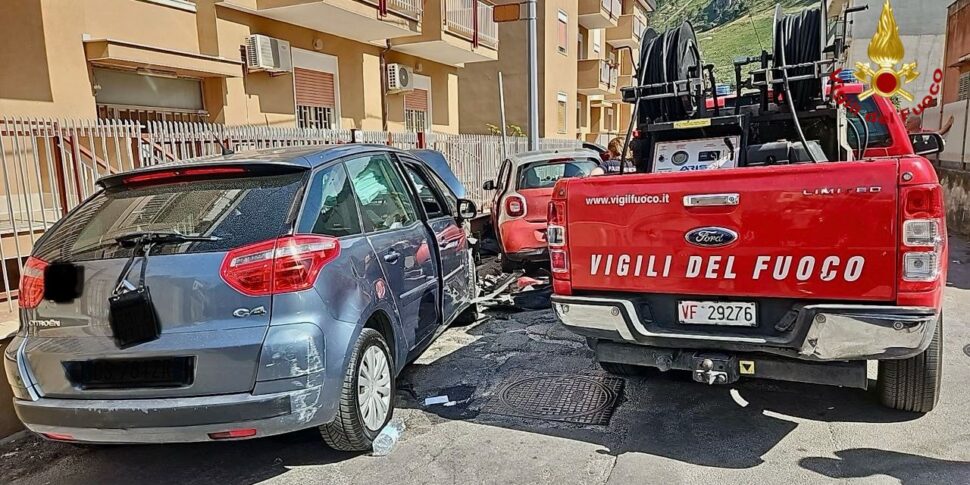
<point>314,88</point>
<point>963,88</point>
<point>416,99</point>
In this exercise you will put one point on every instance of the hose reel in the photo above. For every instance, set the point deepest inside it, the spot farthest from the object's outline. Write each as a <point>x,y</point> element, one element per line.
<point>670,65</point>
<point>799,40</point>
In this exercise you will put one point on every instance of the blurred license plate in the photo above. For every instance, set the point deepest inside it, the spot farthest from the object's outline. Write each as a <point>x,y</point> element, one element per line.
<point>731,313</point>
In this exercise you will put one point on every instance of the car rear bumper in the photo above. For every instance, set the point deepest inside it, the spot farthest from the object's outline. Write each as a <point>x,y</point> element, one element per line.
<point>522,239</point>
<point>171,420</point>
<point>529,255</point>
<point>835,332</point>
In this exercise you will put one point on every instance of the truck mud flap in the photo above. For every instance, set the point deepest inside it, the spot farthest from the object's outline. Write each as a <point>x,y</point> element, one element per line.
<point>717,367</point>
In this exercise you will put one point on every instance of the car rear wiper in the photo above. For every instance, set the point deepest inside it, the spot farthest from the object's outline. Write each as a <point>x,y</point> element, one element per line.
<point>154,238</point>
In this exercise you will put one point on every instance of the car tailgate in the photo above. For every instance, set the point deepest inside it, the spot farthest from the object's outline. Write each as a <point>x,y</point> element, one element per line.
<point>813,231</point>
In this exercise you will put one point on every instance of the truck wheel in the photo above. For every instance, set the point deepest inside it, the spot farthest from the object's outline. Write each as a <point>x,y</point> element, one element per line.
<point>913,384</point>
<point>366,396</point>
<point>623,369</point>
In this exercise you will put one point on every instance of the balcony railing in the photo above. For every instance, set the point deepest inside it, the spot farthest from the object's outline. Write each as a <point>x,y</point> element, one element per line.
<point>609,74</point>
<point>473,20</point>
<point>612,7</point>
<point>411,9</point>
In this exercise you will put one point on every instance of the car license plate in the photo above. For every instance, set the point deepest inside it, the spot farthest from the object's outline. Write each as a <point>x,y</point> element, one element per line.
<point>730,313</point>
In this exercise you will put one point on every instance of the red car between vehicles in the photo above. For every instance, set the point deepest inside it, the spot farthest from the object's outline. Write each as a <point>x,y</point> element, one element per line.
<point>522,193</point>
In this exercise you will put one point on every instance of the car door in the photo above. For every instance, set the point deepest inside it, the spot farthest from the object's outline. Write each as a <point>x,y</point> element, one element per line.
<point>500,185</point>
<point>400,240</point>
<point>450,239</point>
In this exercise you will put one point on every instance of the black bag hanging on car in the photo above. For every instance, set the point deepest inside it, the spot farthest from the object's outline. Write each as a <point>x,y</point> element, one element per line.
<point>132,315</point>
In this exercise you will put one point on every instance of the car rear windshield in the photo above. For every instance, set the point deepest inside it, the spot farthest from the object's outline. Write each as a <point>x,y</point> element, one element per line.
<point>238,211</point>
<point>542,175</point>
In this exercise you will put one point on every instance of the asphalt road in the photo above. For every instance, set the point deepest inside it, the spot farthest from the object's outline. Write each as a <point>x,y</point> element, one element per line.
<point>666,430</point>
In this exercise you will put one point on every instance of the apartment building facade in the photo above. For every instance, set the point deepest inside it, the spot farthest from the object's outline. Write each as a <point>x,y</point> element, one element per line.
<point>584,55</point>
<point>187,60</point>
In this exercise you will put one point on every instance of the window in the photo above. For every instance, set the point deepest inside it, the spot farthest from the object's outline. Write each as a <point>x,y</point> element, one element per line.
<point>330,209</point>
<point>316,117</point>
<point>597,41</point>
<point>503,176</point>
<point>384,203</point>
<point>132,96</point>
<point>609,120</point>
<point>581,41</point>
<point>544,175</point>
<point>963,89</point>
<point>416,110</point>
<point>239,211</point>
<point>561,112</point>
<point>563,27</point>
<point>879,136</point>
<point>433,206</point>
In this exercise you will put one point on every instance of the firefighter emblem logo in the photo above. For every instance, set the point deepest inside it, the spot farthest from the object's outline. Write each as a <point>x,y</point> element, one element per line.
<point>886,51</point>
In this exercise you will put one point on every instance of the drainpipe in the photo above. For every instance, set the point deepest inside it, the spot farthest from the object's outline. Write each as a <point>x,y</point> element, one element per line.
<point>384,85</point>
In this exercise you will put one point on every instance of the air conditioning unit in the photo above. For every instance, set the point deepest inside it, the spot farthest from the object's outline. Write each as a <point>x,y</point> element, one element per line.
<point>400,78</point>
<point>268,54</point>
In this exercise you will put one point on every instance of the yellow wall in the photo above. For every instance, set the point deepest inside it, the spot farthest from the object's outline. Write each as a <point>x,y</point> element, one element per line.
<point>48,75</point>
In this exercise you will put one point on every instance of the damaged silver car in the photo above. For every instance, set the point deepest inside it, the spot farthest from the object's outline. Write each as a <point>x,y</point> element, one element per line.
<point>241,296</point>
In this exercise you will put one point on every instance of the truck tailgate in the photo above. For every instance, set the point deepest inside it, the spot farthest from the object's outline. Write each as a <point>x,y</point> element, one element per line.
<point>813,231</point>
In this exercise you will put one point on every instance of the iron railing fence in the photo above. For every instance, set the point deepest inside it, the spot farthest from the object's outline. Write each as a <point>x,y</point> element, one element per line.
<point>49,166</point>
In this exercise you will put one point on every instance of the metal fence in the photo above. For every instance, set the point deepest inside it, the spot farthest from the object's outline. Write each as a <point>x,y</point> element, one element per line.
<point>48,166</point>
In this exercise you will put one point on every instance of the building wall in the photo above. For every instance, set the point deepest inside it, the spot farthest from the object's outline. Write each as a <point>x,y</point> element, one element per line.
<point>50,76</point>
<point>478,84</point>
<point>957,46</point>
<point>558,73</point>
<point>922,27</point>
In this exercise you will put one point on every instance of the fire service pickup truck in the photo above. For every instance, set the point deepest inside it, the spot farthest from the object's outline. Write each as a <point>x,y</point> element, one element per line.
<point>795,238</point>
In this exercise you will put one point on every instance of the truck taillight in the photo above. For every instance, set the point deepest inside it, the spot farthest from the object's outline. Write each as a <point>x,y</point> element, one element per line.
<point>559,261</point>
<point>922,236</point>
<point>32,283</point>
<point>556,231</point>
<point>283,265</point>
<point>514,205</point>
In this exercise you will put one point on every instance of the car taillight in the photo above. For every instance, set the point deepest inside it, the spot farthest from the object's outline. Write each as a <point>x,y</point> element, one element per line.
<point>514,205</point>
<point>283,265</point>
<point>559,261</point>
<point>169,176</point>
<point>922,236</point>
<point>32,283</point>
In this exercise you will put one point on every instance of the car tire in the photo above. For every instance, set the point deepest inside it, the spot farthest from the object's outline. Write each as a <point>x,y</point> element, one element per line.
<point>913,384</point>
<point>354,429</point>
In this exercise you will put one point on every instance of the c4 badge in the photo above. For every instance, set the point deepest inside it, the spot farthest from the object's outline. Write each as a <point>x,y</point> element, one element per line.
<point>746,367</point>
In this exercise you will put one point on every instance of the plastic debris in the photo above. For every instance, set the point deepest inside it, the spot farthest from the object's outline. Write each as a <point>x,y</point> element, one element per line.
<point>527,281</point>
<point>436,400</point>
<point>388,437</point>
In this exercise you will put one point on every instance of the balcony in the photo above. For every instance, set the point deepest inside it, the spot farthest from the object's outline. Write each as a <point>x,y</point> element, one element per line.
<point>361,20</point>
<point>599,14</point>
<point>454,32</point>
<point>623,80</point>
<point>628,31</point>
<point>597,77</point>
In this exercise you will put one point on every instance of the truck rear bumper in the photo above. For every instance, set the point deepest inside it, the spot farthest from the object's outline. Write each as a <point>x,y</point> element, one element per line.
<point>836,332</point>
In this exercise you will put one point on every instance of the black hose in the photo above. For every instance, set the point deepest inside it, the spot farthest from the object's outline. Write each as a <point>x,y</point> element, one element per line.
<point>786,26</point>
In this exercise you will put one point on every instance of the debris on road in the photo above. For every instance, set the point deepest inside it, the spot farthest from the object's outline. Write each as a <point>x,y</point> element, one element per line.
<point>388,437</point>
<point>436,400</point>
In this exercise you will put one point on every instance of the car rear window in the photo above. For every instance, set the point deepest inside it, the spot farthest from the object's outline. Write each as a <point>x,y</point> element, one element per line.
<point>239,211</point>
<point>542,175</point>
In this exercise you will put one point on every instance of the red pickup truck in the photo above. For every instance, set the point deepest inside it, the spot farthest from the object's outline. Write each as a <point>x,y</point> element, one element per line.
<point>799,272</point>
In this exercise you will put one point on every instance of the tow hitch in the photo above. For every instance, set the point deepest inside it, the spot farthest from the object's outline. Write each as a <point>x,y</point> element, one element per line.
<point>715,368</point>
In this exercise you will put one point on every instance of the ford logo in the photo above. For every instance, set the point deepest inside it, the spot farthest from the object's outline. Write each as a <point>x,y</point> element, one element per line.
<point>711,237</point>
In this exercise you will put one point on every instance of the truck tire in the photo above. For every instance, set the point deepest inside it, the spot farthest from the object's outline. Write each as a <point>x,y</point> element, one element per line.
<point>913,384</point>
<point>350,430</point>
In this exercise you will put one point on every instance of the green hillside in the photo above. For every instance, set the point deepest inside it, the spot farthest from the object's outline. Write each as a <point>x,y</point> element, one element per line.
<point>726,29</point>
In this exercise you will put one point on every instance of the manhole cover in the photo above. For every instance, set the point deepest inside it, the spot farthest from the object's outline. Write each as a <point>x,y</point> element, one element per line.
<point>966,350</point>
<point>572,399</point>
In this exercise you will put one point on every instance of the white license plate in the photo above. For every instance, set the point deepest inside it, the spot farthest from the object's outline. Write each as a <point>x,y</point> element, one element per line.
<point>735,314</point>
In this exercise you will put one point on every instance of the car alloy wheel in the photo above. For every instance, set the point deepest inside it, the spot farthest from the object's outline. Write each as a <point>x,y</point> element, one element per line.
<point>374,388</point>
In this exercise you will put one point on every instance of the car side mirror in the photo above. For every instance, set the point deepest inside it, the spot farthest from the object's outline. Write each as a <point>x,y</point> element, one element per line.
<point>466,209</point>
<point>927,143</point>
<point>488,185</point>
